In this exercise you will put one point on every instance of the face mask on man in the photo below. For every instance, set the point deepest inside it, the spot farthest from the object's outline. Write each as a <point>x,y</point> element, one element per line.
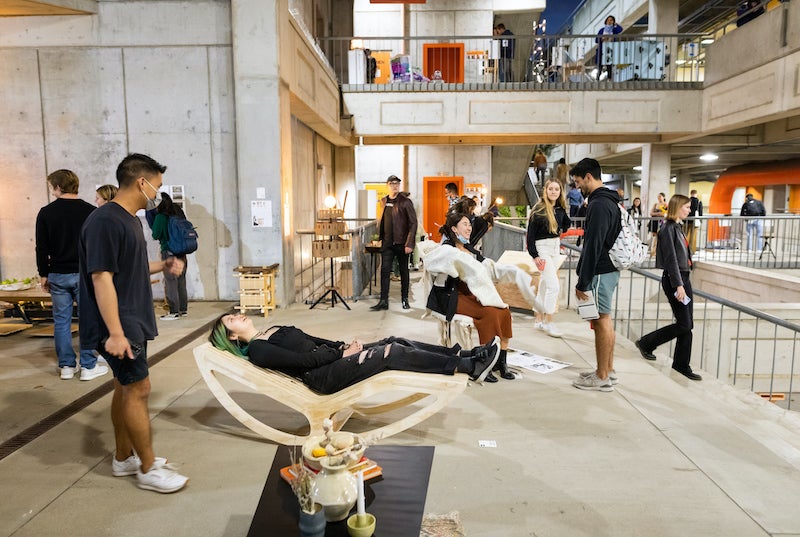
<point>154,202</point>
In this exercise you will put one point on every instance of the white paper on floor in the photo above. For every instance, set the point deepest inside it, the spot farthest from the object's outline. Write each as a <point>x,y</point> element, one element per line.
<point>534,362</point>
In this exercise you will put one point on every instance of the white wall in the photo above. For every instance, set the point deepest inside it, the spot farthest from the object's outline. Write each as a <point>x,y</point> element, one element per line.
<point>80,92</point>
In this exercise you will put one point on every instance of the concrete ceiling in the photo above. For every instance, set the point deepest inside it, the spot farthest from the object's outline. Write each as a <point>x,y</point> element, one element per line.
<point>777,140</point>
<point>19,8</point>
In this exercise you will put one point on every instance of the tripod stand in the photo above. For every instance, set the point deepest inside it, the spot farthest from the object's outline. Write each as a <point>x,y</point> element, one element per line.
<point>331,290</point>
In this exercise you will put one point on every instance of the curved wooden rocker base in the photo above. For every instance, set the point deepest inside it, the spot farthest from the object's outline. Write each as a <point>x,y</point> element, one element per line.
<point>338,406</point>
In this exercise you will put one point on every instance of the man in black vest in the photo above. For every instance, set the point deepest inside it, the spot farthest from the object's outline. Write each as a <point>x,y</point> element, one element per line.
<point>691,225</point>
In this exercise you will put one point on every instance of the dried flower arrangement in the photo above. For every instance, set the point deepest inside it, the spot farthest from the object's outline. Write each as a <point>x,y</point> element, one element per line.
<point>303,484</point>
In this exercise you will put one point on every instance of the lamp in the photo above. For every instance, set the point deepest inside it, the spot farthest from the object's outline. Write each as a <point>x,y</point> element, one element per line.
<point>356,44</point>
<point>330,201</point>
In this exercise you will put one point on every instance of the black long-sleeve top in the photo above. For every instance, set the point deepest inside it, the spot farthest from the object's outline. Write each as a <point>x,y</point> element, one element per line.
<point>292,351</point>
<point>539,228</point>
<point>672,252</point>
<point>58,228</point>
<point>603,224</point>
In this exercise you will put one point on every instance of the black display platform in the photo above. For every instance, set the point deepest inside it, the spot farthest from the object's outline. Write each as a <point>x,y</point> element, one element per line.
<point>397,499</point>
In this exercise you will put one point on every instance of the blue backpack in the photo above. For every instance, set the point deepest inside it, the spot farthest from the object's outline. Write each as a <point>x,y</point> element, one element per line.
<point>181,236</point>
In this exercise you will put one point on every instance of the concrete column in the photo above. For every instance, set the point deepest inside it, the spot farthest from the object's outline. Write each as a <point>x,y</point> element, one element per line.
<point>655,173</point>
<point>262,156</point>
<point>662,17</point>
<point>682,183</point>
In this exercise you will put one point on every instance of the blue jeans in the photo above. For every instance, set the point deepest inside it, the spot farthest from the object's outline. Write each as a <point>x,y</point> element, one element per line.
<point>63,292</point>
<point>755,233</point>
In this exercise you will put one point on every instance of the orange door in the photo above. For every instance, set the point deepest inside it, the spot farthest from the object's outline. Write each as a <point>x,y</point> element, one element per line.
<point>434,203</point>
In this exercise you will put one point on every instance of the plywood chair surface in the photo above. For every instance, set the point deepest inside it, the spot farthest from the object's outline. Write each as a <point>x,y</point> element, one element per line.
<point>339,406</point>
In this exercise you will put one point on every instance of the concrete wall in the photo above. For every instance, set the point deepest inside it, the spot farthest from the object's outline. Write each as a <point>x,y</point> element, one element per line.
<point>81,92</point>
<point>745,285</point>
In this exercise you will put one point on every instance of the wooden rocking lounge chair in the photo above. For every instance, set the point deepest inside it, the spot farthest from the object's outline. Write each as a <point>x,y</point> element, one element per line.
<point>338,406</point>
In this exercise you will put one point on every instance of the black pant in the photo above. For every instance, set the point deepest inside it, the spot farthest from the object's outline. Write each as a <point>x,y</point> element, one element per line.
<point>680,330</point>
<point>404,355</point>
<point>387,257</point>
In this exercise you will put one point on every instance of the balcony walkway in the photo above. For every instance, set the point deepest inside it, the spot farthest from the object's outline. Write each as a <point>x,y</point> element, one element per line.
<point>660,456</point>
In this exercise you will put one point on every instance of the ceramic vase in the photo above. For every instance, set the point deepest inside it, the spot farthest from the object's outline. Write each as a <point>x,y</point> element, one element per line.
<point>312,524</point>
<point>335,488</point>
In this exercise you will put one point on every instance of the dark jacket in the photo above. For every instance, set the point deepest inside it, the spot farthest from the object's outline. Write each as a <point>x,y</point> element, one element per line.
<point>404,220</point>
<point>539,228</point>
<point>753,207</point>
<point>672,252</point>
<point>292,351</point>
<point>603,224</point>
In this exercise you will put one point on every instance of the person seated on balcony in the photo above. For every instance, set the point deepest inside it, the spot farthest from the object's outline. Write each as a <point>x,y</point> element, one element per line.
<point>609,28</point>
<point>472,293</point>
<point>329,366</point>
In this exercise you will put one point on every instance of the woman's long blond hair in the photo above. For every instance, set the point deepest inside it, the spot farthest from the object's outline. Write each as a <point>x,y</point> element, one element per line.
<point>547,208</point>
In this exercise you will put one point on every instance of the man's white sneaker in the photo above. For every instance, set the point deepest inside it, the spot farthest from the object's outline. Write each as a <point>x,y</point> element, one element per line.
<point>593,382</point>
<point>551,330</point>
<point>97,371</point>
<point>68,372</point>
<point>130,466</point>
<point>170,317</point>
<point>612,375</point>
<point>539,325</point>
<point>161,478</point>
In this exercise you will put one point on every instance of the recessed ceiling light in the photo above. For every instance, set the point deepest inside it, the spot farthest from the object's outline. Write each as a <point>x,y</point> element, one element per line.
<point>638,182</point>
<point>673,180</point>
<point>637,168</point>
<point>706,41</point>
<point>680,62</point>
<point>708,157</point>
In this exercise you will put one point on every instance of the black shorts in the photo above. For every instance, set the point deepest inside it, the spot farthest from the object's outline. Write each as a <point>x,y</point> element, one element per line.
<point>127,370</point>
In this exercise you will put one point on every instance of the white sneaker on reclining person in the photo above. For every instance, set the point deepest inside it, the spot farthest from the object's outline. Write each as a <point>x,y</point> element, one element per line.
<point>551,330</point>
<point>161,478</point>
<point>97,371</point>
<point>130,465</point>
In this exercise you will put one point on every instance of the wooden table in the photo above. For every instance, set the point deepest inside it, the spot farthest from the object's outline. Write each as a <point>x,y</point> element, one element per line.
<point>397,499</point>
<point>19,298</point>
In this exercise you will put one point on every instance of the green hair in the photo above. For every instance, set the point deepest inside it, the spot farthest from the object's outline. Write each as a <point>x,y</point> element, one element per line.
<point>220,338</point>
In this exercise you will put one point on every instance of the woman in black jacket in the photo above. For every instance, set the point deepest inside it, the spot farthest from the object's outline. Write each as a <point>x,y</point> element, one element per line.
<point>329,366</point>
<point>674,257</point>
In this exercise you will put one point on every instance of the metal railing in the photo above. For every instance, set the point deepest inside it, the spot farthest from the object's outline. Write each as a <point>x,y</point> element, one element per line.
<point>736,343</point>
<point>517,62</point>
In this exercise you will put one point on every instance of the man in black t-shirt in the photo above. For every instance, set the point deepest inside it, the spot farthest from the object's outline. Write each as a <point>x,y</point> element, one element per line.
<point>58,227</point>
<point>118,318</point>
<point>755,226</point>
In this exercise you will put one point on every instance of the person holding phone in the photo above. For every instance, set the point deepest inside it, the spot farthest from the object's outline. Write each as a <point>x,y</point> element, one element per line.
<point>674,256</point>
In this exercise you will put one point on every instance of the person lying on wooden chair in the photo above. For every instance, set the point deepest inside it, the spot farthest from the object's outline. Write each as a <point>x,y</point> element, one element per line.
<point>329,366</point>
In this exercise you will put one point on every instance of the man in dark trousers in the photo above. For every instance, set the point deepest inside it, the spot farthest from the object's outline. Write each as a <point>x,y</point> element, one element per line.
<point>58,228</point>
<point>398,234</point>
<point>507,45</point>
<point>596,272</point>
<point>755,226</point>
<point>118,318</point>
<point>691,225</point>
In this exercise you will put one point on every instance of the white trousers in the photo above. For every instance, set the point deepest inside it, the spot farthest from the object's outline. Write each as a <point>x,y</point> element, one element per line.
<point>549,286</point>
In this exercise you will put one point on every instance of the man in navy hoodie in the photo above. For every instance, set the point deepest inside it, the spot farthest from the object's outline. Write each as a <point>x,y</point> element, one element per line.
<point>596,272</point>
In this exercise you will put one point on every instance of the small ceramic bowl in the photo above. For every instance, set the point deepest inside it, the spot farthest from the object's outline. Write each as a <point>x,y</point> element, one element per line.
<point>356,530</point>
<point>314,462</point>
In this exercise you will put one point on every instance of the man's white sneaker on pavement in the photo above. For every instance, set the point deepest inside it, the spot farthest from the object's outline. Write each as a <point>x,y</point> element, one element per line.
<point>130,465</point>
<point>170,317</point>
<point>551,330</point>
<point>97,371</point>
<point>539,325</point>
<point>593,382</point>
<point>161,478</point>
<point>68,372</point>
<point>612,375</point>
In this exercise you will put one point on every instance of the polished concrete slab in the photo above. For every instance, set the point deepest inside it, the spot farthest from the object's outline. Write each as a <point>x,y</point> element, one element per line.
<point>659,456</point>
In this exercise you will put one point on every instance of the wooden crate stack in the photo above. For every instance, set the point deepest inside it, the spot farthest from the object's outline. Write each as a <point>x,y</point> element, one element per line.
<point>257,288</point>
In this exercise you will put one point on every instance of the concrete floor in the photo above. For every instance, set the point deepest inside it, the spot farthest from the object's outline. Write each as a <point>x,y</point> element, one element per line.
<point>660,456</point>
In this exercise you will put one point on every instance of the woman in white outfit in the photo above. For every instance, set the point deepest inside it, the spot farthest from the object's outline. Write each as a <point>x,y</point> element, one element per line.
<point>549,218</point>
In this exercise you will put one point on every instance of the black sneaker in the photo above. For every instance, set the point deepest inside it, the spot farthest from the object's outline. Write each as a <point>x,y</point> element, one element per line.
<point>485,360</point>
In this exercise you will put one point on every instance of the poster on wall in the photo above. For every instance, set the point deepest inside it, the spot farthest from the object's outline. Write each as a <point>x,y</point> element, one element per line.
<point>261,213</point>
<point>177,194</point>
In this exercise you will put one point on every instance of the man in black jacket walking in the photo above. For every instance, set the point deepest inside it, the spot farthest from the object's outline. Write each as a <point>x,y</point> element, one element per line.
<point>596,272</point>
<point>398,234</point>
